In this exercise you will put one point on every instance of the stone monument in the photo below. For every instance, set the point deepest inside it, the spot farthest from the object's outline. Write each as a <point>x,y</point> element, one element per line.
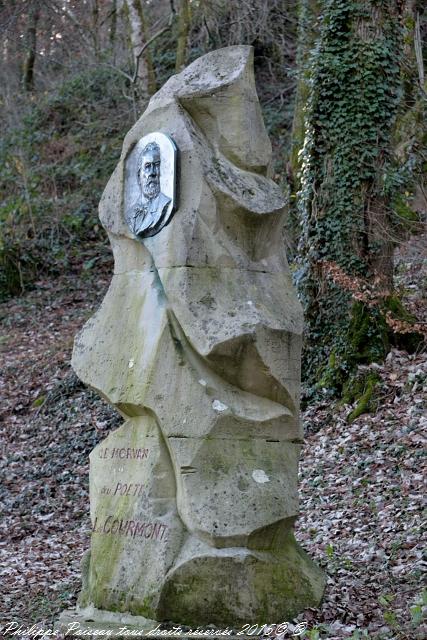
<point>197,344</point>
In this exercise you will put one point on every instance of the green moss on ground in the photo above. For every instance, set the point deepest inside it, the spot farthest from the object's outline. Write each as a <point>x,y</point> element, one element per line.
<point>362,390</point>
<point>369,338</point>
<point>409,341</point>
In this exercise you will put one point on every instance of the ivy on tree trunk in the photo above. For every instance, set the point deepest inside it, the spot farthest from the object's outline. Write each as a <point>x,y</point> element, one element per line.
<point>349,182</point>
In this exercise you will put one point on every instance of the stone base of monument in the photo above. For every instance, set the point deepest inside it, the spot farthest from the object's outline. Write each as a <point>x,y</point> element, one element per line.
<point>237,586</point>
<point>142,562</point>
<point>90,622</point>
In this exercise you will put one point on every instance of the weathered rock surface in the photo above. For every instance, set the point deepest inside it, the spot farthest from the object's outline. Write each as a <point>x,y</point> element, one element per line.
<point>197,343</point>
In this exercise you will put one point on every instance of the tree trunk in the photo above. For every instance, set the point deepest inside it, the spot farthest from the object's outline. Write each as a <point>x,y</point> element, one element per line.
<point>95,27</point>
<point>143,62</point>
<point>183,31</point>
<point>113,26</point>
<point>308,12</point>
<point>31,46</point>
<point>348,184</point>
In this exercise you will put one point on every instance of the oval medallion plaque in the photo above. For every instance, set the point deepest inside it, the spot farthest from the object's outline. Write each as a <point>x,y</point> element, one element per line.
<point>151,190</point>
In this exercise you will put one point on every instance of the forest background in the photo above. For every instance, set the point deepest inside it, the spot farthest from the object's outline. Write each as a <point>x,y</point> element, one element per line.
<point>343,93</point>
<point>342,87</point>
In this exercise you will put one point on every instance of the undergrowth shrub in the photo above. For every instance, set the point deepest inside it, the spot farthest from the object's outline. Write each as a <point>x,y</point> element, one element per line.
<point>53,169</point>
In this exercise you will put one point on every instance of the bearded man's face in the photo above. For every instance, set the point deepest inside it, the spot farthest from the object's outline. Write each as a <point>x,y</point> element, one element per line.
<point>150,175</point>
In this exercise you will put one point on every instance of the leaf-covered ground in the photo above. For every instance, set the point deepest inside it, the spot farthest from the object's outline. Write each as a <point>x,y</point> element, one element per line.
<point>361,483</point>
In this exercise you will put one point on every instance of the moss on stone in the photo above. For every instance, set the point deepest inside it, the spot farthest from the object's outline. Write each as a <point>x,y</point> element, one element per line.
<point>404,211</point>
<point>361,389</point>
<point>84,595</point>
<point>263,587</point>
<point>369,338</point>
<point>368,334</point>
<point>408,341</point>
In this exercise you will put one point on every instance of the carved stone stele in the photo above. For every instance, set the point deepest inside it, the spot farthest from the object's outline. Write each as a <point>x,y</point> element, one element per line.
<point>197,344</point>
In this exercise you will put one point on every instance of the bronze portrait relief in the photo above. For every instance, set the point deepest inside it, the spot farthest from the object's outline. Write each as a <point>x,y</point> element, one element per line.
<point>150,195</point>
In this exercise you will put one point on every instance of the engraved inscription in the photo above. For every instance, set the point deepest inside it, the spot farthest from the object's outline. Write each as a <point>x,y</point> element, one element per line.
<point>123,453</point>
<point>132,489</point>
<point>132,528</point>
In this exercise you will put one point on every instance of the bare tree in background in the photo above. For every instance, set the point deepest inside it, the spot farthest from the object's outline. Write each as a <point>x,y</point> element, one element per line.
<point>183,33</point>
<point>31,46</point>
<point>95,28</point>
<point>113,25</point>
<point>144,70</point>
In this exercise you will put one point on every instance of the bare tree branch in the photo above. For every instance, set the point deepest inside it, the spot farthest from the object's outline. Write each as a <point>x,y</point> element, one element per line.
<point>147,44</point>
